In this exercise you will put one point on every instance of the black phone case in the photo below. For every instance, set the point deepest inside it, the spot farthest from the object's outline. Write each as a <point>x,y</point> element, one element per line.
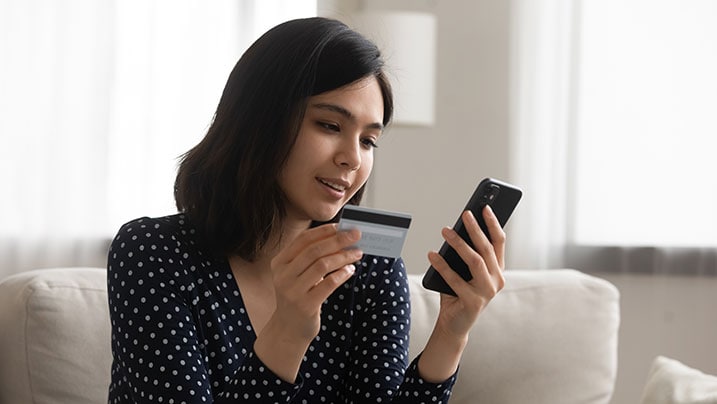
<point>502,198</point>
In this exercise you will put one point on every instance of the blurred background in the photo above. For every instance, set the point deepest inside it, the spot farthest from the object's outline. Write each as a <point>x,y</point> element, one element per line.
<point>602,111</point>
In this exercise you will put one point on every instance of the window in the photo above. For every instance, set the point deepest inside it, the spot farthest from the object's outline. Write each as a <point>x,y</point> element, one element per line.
<point>614,135</point>
<point>645,151</point>
<point>98,98</point>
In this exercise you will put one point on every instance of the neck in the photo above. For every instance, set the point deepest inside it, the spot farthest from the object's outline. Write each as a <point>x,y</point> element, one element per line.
<point>284,236</point>
<point>276,243</point>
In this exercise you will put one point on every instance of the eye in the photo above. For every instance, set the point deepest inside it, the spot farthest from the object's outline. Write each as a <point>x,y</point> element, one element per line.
<point>332,127</point>
<point>369,143</point>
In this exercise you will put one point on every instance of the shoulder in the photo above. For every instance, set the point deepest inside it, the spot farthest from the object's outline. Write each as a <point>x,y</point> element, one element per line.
<point>167,233</point>
<point>163,241</point>
<point>147,227</point>
<point>149,254</point>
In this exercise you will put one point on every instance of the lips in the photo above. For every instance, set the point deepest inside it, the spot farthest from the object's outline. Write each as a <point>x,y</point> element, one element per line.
<point>335,184</point>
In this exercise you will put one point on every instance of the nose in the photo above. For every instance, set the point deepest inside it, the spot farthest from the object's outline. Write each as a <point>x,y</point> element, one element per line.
<point>348,154</point>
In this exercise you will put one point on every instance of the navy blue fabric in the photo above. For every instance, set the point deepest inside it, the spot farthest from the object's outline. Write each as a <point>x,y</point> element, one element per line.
<point>180,333</point>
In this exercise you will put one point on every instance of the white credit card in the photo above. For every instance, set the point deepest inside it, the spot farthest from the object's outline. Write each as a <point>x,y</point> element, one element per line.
<point>382,232</point>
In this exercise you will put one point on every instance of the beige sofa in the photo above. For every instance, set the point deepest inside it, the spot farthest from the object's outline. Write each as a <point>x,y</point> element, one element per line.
<point>549,337</point>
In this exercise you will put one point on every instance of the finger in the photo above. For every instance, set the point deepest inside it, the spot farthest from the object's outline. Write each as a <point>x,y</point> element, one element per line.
<point>326,265</point>
<point>475,262</point>
<point>329,254</point>
<point>497,234</point>
<point>458,284</point>
<point>324,288</point>
<point>480,241</point>
<point>305,239</point>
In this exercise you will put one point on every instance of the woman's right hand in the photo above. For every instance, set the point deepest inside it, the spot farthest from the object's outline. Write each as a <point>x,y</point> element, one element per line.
<point>305,273</point>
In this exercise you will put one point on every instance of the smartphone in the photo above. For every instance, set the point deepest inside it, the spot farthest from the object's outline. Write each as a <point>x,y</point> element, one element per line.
<point>502,198</point>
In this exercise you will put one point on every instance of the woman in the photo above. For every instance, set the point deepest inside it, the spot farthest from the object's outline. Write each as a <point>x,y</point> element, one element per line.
<point>251,294</point>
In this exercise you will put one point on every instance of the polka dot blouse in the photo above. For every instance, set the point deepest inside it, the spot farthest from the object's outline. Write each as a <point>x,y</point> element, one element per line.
<point>181,334</point>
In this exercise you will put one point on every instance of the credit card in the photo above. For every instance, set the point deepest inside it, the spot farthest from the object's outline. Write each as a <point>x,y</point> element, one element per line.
<point>382,232</point>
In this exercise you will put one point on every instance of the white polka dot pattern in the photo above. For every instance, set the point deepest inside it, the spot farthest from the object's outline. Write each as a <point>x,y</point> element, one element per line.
<point>180,333</point>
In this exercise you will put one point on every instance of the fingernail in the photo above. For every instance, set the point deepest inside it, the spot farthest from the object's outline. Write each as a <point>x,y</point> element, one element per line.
<point>351,268</point>
<point>353,234</point>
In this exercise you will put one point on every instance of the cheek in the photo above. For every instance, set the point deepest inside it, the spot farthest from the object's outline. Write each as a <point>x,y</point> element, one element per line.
<point>366,166</point>
<point>298,157</point>
<point>291,172</point>
<point>282,180</point>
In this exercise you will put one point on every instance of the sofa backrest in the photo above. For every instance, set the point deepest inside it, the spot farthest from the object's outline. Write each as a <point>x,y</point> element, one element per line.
<point>548,337</point>
<point>54,337</point>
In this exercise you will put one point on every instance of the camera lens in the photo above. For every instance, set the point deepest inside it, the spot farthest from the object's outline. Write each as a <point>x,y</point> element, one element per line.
<point>491,193</point>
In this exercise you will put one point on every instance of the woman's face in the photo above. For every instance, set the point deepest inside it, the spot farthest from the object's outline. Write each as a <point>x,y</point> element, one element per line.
<point>333,154</point>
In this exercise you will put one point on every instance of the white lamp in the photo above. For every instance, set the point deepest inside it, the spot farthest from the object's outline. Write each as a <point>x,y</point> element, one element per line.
<point>407,40</point>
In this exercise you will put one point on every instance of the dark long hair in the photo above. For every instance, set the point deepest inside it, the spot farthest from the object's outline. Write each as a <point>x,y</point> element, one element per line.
<point>227,184</point>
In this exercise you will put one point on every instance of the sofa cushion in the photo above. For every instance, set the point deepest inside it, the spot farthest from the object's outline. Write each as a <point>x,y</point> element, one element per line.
<point>550,336</point>
<point>672,382</point>
<point>54,337</point>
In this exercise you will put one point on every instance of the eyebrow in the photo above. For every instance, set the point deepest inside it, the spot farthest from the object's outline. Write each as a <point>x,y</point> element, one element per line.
<point>346,113</point>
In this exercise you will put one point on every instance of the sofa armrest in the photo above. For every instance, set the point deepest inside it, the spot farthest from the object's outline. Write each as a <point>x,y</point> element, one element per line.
<point>54,337</point>
<point>550,336</point>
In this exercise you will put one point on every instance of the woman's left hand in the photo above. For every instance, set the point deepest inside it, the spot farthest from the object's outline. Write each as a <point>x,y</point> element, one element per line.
<point>486,263</point>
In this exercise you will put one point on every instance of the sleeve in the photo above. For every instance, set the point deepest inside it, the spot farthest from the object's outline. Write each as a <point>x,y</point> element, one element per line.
<point>380,371</point>
<point>158,351</point>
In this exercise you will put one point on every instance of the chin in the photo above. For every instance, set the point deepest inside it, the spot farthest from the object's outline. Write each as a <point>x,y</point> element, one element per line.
<point>326,215</point>
<point>325,218</point>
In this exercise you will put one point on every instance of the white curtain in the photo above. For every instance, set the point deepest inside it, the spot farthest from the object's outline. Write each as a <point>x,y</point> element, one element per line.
<point>98,98</point>
<point>614,135</point>
<point>541,49</point>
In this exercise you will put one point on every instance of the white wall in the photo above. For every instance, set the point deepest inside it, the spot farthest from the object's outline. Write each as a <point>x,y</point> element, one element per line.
<point>667,315</point>
<point>430,172</point>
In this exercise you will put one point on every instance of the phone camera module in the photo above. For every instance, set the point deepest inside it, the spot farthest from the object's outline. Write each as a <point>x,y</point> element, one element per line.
<point>491,193</point>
